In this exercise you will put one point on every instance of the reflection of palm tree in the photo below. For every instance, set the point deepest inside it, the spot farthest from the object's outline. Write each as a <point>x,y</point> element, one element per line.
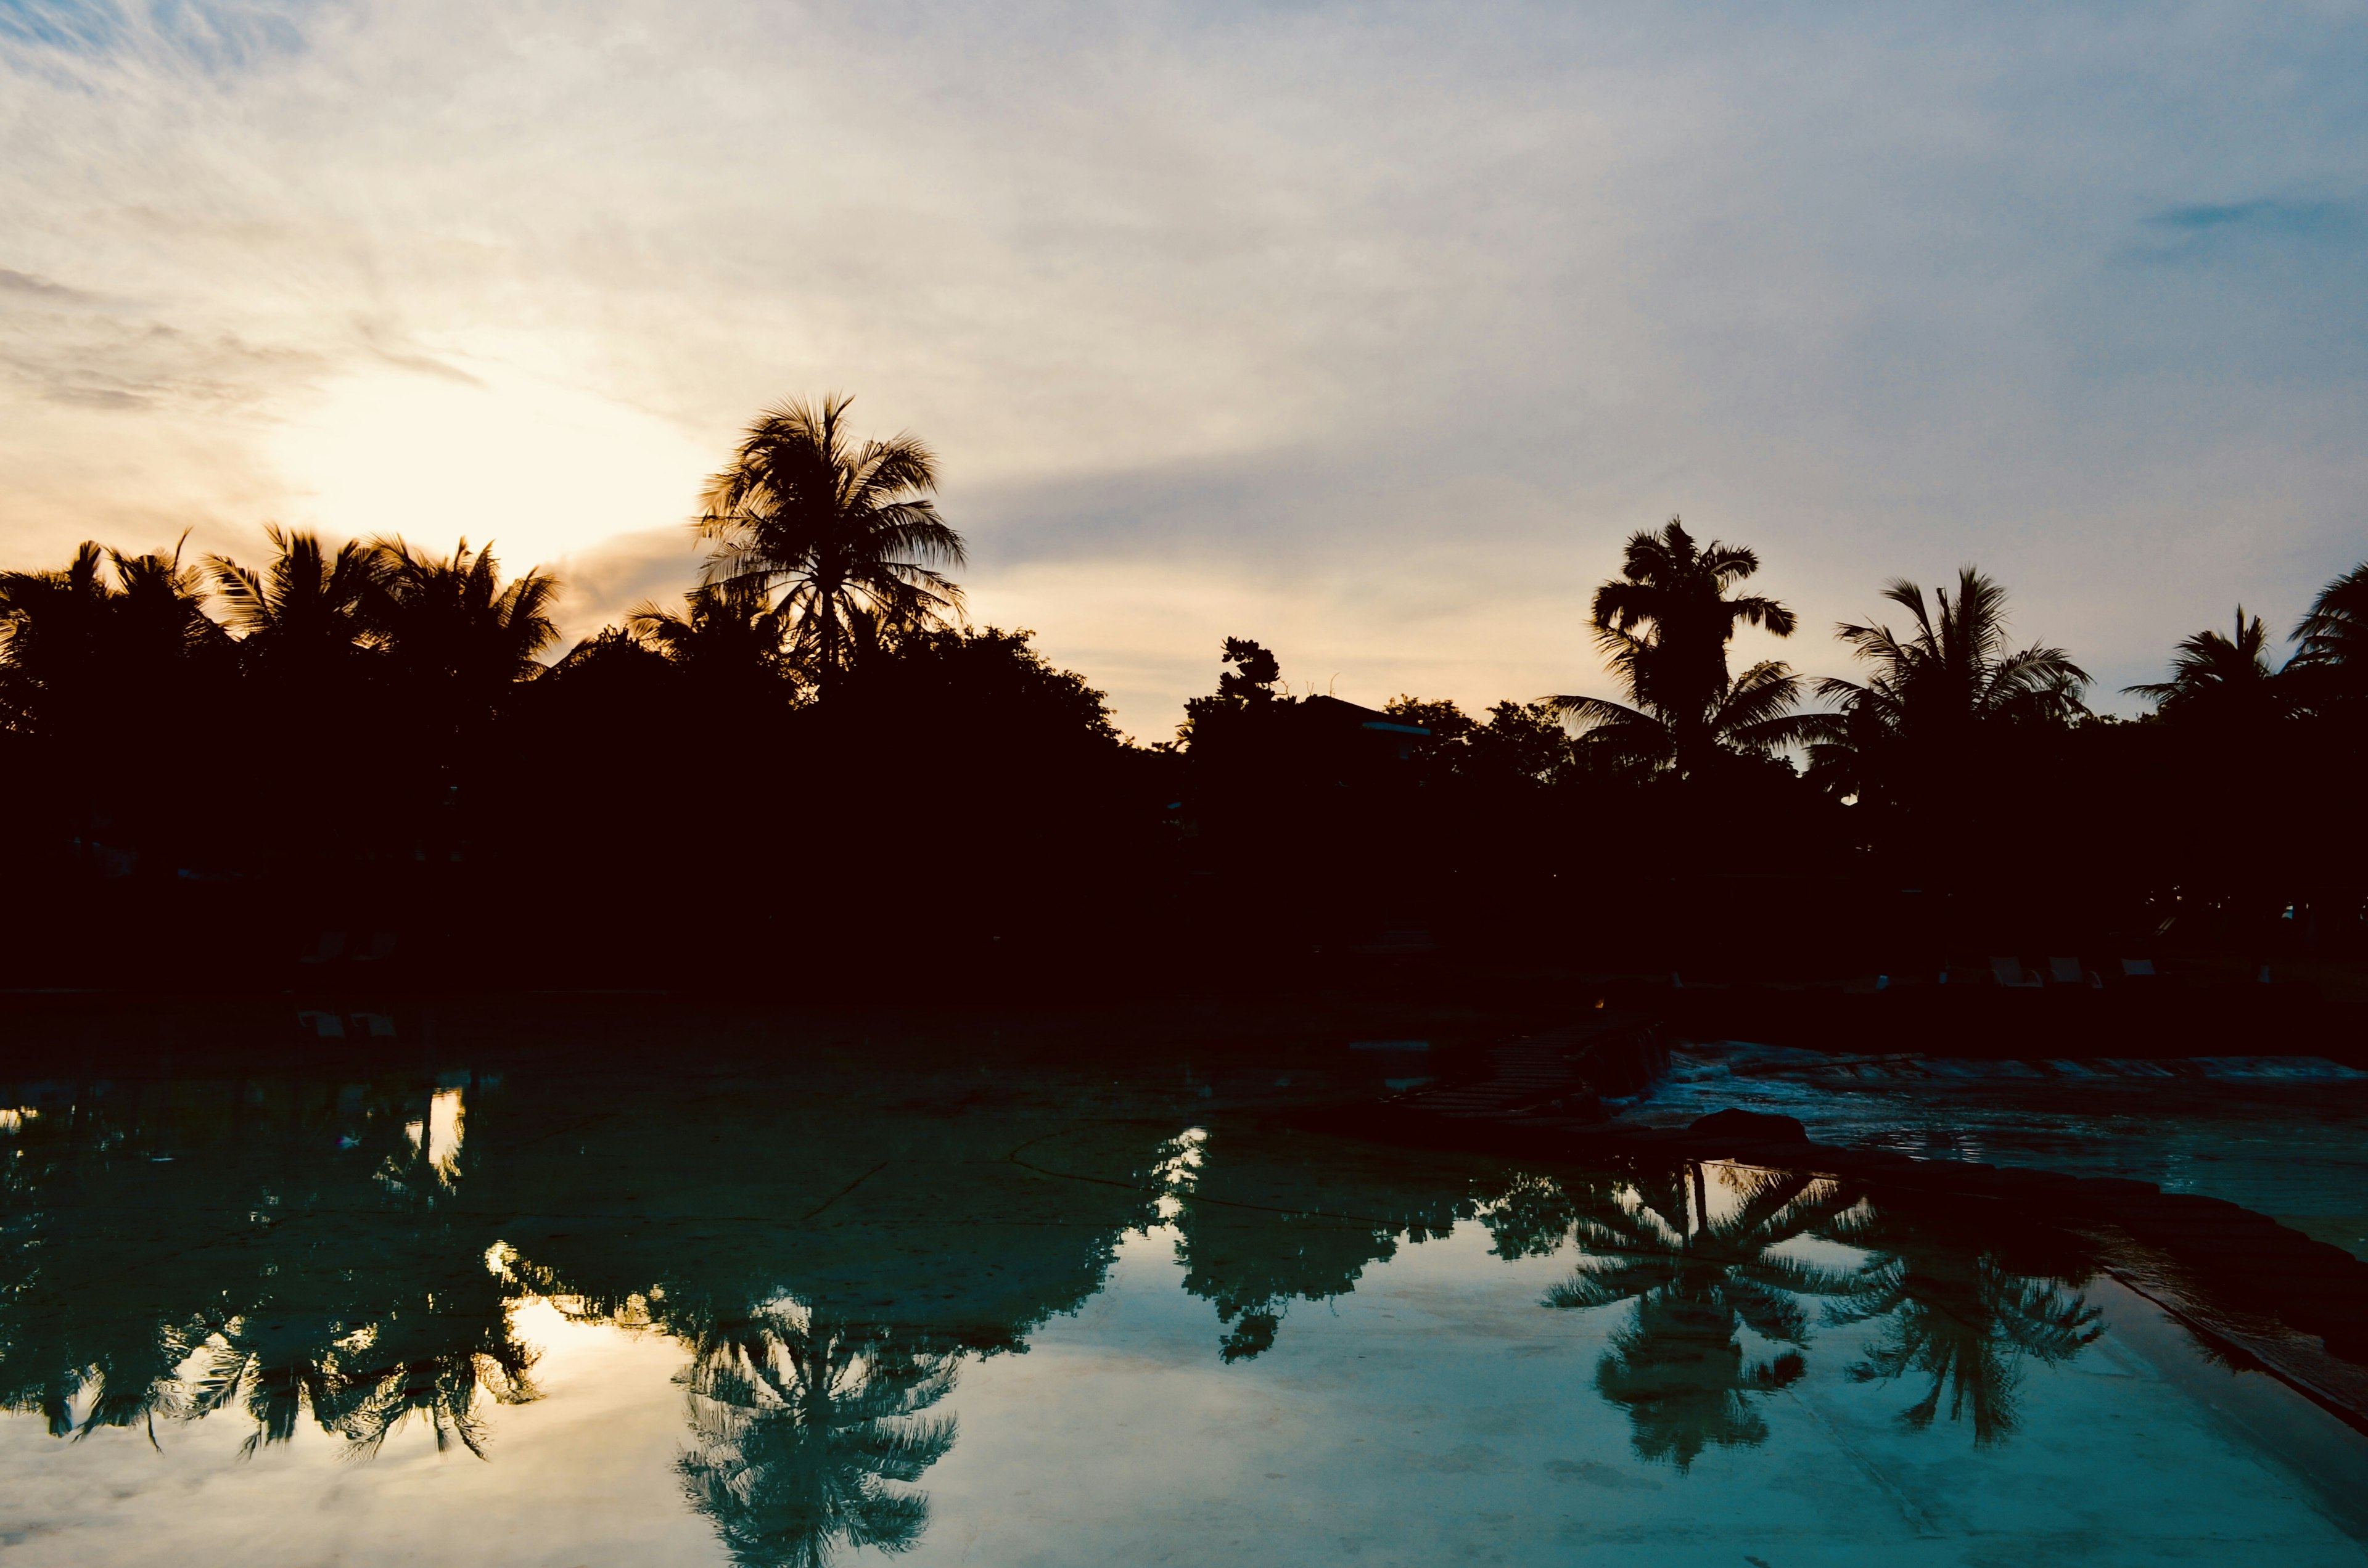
<point>846,532</point>
<point>800,1425</point>
<point>1957,1316</point>
<point>275,1375</point>
<point>1677,1369</point>
<point>364,1384</point>
<point>127,1377</point>
<point>1680,1375</point>
<point>1664,624</point>
<point>375,1392</point>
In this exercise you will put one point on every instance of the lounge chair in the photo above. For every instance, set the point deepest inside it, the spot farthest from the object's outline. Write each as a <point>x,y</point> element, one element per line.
<point>377,1026</point>
<point>332,948</point>
<point>325,1026</point>
<point>2011,973</point>
<point>2066,972</point>
<point>382,946</point>
<point>2137,969</point>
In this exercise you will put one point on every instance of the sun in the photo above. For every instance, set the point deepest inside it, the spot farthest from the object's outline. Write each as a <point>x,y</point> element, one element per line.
<point>540,470</point>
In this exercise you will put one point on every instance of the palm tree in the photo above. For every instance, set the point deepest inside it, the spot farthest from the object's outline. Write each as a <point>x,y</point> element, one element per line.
<point>71,640</point>
<point>107,665</point>
<point>159,611</point>
<point>2222,679</point>
<point>1935,691</point>
<point>1664,624</point>
<point>1696,1276</point>
<point>53,628</point>
<point>450,622</point>
<point>2334,637</point>
<point>843,531</point>
<point>1958,1316</point>
<point>727,636</point>
<point>309,605</point>
<point>800,1423</point>
<point>1751,716</point>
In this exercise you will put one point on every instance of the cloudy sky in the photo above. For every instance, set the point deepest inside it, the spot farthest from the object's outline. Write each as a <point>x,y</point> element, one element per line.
<point>1368,330</point>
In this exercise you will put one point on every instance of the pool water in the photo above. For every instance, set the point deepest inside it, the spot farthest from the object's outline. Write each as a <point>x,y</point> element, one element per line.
<point>556,1311</point>
<point>2284,1135</point>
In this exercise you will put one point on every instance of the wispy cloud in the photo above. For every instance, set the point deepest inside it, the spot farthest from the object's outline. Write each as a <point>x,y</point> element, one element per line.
<point>24,283</point>
<point>2300,219</point>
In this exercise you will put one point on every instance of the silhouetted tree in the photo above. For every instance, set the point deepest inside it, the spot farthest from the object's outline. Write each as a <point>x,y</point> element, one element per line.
<point>1664,624</point>
<point>843,531</point>
<point>108,669</point>
<point>457,636</point>
<point>2333,655</point>
<point>305,613</point>
<point>1245,698</point>
<point>1938,695</point>
<point>727,641</point>
<point>2223,681</point>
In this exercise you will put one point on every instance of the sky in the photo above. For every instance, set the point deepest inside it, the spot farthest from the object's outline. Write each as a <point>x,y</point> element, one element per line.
<point>1367,331</point>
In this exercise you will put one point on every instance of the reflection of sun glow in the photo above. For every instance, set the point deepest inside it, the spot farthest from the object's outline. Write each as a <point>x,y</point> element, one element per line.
<point>539,469</point>
<point>443,1132</point>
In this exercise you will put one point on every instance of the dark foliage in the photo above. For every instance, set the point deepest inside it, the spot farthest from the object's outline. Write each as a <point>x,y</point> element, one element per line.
<point>812,767</point>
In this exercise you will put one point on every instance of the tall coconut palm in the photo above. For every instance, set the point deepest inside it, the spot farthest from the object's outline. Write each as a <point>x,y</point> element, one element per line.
<point>2223,679</point>
<point>1935,691</point>
<point>843,530</point>
<point>1664,625</point>
<point>307,605</point>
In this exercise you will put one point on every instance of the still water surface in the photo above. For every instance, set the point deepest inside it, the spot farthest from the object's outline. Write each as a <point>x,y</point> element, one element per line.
<point>971,1310</point>
<point>2285,1135</point>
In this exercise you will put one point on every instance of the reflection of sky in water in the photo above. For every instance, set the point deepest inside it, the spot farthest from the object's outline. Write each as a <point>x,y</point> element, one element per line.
<point>1086,1324</point>
<point>1438,1413</point>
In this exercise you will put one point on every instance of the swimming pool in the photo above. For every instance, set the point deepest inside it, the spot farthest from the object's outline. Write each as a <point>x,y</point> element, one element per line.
<point>796,1309</point>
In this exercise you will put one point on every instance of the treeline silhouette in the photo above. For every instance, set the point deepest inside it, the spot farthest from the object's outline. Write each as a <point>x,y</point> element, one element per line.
<point>814,765</point>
